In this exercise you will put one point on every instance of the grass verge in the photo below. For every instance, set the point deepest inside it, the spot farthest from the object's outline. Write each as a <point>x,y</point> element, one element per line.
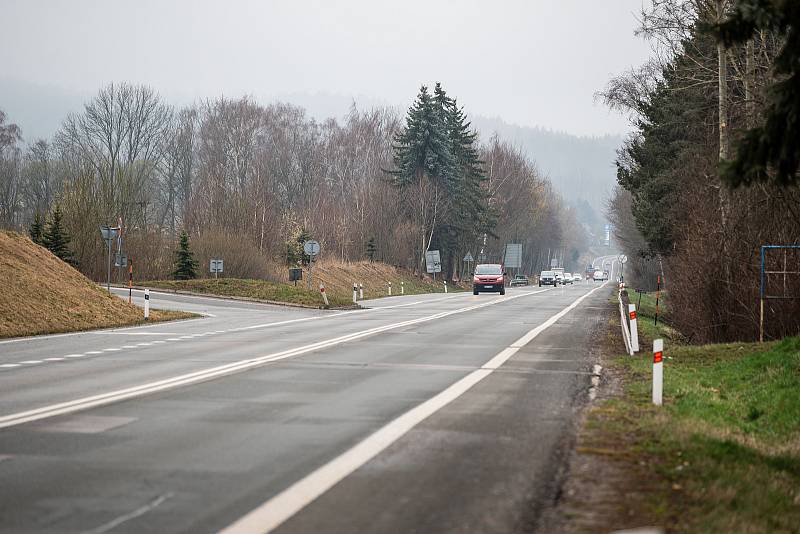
<point>253,289</point>
<point>722,454</point>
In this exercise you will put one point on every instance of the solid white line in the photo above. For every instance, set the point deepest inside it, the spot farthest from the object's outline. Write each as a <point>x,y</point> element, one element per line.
<point>102,529</point>
<point>278,509</point>
<point>223,370</point>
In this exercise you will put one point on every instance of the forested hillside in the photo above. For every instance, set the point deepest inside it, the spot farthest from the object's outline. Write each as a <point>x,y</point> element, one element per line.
<point>246,181</point>
<point>700,107</point>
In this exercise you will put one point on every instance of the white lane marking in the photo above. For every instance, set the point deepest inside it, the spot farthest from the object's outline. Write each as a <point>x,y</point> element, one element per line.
<point>186,337</point>
<point>141,345</point>
<point>159,342</point>
<point>174,339</point>
<point>102,529</point>
<point>281,507</point>
<point>54,359</point>
<point>112,333</point>
<point>31,362</point>
<point>74,355</point>
<point>10,365</point>
<point>111,350</point>
<point>223,370</point>
<point>93,352</point>
<point>128,346</point>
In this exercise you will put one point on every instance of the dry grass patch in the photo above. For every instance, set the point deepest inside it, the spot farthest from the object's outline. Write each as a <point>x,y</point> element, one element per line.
<point>43,295</point>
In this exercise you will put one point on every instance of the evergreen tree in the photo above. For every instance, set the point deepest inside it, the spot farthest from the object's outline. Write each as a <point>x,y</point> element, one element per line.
<point>304,236</point>
<point>36,229</point>
<point>371,249</point>
<point>771,151</point>
<point>185,264</point>
<point>56,239</point>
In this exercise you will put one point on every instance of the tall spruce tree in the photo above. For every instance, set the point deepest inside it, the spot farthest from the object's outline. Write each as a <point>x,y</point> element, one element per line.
<point>371,249</point>
<point>36,229</point>
<point>56,239</point>
<point>185,264</point>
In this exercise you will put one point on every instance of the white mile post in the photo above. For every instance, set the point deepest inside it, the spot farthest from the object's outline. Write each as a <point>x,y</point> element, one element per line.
<point>658,371</point>
<point>445,286</point>
<point>355,293</point>
<point>402,288</point>
<point>634,330</point>
<point>146,304</point>
<point>361,291</point>
<point>390,289</point>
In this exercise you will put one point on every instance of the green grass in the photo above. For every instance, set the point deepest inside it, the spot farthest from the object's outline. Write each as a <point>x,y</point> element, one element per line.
<point>255,289</point>
<point>726,443</point>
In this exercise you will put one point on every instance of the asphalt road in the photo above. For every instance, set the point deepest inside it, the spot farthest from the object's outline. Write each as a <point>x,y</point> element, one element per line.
<point>434,413</point>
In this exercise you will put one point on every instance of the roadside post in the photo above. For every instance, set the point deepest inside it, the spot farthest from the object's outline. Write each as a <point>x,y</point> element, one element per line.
<point>658,295</point>
<point>402,288</point>
<point>361,291</point>
<point>355,293</point>
<point>109,233</point>
<point>311,249</point>
<point>390,289</point>
<point>146,304</point>
<point>130,281</point>
<point>634,330</point>
<point>324,295</point>
<point>445,286</point>
<point>658,371</point>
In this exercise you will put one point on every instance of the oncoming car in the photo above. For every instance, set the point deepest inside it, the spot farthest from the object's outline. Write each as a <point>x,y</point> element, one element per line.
<point>488,277</point>
<point>547,278</point>
<point>598,276</point>
<point>519,280</point>
<point>568,278</point>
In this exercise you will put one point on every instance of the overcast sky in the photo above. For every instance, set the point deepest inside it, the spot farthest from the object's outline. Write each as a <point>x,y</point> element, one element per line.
<point>529,62</point>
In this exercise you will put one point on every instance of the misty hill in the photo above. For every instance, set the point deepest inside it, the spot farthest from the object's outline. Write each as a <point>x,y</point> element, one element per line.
<point>581,168</point>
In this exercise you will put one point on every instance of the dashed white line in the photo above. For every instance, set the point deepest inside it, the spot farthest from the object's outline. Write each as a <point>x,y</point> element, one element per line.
<point>128,346</point>
<point>93,352</point>
<point>31,362</point>
<point>111,350</point>
<point>10,365</point>
<point>54,359</point>
<point>74,355</point>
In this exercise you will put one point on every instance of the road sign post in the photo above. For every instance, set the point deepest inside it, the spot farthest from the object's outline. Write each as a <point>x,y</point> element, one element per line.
<point>311,249</point>
<point>146,304</point>
<point>433,262</point>
<point>215,266</point>
<point>109,233</point>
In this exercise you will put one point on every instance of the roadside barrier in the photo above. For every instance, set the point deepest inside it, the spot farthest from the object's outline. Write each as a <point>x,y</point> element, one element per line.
<point>626,313</point>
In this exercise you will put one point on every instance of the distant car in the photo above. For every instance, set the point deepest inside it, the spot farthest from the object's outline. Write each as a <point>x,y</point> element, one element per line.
<point>488,277</point>
<point>560,277</point>
<point>598,276</point>
<point>577,278</point>
<point>519,280</point>
<point>568,278</point>
<point>548,278</point>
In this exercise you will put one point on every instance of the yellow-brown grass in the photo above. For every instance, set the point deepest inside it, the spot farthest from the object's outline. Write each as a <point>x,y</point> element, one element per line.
<point>40,294</point>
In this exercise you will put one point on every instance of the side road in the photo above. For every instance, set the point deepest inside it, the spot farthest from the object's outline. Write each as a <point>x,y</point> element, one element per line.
<point>721,455</point>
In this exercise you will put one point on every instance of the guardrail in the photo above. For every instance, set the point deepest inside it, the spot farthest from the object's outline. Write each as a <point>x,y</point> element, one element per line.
<point>627,319</point>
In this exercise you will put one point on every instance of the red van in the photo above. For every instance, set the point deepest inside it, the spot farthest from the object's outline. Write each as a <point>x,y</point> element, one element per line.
<point>488,277</point>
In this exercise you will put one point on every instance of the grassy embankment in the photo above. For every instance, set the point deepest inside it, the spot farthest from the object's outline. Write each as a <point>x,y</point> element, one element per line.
<point>724,448</point>
<point>43,295</point>
<point>337,277</point>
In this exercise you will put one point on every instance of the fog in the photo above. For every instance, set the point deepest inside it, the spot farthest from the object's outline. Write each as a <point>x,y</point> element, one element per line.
<point>532,63</point>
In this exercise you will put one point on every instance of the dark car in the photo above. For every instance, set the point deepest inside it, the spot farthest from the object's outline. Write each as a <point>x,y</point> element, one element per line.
<point>548,278</point>
<point>519,280</point>
<point>488,277</point>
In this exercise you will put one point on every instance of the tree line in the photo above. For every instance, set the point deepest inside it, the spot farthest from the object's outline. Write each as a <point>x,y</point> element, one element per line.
<point>710,172</point>
<point>249,182</point>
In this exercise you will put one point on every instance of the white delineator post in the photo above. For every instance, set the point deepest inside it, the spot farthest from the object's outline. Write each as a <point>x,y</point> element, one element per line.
<point>445,286</point>
<point>361,291</point>
<point>355,292</point>
<point>390,289</point>
<point>658,371</point>
<point>402,288</point>
<point>634,330</point>
<point>146,304</point>
<point>324,295</point>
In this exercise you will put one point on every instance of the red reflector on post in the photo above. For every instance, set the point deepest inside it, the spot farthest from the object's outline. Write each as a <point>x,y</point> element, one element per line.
<point>658,357</point>
<point>633,316</point>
